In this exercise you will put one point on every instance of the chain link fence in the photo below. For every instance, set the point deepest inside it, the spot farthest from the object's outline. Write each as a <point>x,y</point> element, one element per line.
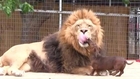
<point>120,22</point>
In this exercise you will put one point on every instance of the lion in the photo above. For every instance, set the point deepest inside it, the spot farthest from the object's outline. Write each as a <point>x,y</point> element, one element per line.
<point>65,51</point>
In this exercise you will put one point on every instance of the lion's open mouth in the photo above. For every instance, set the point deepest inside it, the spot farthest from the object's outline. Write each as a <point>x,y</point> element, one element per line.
<point>83,40</point>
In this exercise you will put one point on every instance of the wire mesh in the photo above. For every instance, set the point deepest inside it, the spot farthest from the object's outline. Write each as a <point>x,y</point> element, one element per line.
<point>119,21</point>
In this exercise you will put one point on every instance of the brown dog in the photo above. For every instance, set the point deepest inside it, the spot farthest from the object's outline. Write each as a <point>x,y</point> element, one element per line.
<point>112,63</point>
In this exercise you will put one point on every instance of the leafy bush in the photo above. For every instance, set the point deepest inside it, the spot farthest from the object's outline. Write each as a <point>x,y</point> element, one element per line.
<point>9,6</point>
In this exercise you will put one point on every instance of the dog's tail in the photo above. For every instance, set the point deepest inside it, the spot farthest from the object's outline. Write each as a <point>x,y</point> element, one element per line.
<point>129,63</point>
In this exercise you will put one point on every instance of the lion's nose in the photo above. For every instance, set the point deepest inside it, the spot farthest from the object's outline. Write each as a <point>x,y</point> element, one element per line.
<point>83,31</point>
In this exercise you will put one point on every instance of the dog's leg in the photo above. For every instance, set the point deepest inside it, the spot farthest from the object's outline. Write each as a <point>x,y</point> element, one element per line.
<point>82,70</point>
<point>104,73</point>
<point>92,73</point>
<point>121,72</point>
<point>98,73</point>
<point>111,72</point>
<point>117,71</point>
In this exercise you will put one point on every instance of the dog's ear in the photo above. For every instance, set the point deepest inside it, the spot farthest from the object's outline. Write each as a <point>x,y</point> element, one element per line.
<point>97,54</point>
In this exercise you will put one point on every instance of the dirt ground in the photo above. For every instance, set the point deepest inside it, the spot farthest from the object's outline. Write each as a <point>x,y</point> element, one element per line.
<point>130,72</point>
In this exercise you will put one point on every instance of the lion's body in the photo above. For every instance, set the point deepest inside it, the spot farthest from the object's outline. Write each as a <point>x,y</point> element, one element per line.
<point>66,51</point>
<point>61,61</point>
<point>18,56</point>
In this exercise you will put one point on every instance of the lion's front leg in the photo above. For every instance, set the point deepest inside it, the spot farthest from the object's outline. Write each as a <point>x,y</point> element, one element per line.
<point>16,65</point>
<point>14,69</point>
<point>4,70</point>
<point>82,70</point>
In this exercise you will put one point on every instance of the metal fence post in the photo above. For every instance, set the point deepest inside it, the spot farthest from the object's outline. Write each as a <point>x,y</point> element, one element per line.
<point>60,14</point>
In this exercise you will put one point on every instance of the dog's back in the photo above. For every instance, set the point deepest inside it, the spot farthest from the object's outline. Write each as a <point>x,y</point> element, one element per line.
<point>102,63</point>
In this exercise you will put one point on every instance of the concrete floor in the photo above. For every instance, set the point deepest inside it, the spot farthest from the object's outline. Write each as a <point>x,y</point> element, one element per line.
<point>130,72</point>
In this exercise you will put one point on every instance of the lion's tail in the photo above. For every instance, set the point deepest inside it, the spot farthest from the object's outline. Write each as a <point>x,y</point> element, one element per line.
<point>129,63</point>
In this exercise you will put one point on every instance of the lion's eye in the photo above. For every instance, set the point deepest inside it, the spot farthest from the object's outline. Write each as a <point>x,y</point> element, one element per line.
<point>78,26</point>
<point>89,25</point>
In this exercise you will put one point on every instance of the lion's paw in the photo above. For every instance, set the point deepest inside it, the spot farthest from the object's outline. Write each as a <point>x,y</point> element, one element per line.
<point>18,73</point>
<point>2,72</point>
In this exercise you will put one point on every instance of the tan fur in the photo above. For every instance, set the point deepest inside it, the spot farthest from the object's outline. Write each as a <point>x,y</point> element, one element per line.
<point>17,56</point>
<point>82,70</point>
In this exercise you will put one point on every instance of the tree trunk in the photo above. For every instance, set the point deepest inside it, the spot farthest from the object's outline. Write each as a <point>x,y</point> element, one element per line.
<point>32,23</point>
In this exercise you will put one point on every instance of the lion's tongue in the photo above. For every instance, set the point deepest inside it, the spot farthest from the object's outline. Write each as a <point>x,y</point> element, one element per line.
<point>83,38</point>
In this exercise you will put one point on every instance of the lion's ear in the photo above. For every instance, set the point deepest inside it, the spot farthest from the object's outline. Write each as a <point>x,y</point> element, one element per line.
<point>99,33</point>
